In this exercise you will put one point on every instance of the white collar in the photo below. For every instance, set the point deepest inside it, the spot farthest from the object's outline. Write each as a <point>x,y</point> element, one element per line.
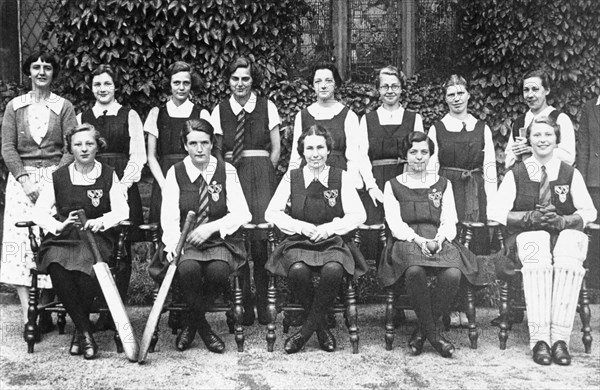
<point>309,178</point>
<point>184,109</point>
<point>453,123</point>
<point>530,115</point>
<point>53,102</point>
<point>78,178</point>
<point>248,107</point>
<point>551,166</point>
<point>111,109</point>
<point>320,112</point>
<point>194,172</point>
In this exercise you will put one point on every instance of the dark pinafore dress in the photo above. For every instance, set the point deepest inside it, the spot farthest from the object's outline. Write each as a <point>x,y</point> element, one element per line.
<point>256,173</point>
<point>169,151</point>
<point>421,209</point>
<point>335,126</point>
<point>316,204</point>
<point>115,129</point>
<point>528,193</point>
<point>230,249</point>
<point>385,144</point>
<point>69,248</point>
<point>461,161</point>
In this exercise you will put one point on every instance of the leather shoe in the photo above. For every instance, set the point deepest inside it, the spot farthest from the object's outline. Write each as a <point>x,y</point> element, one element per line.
<point>541,353</point>
<point>444,347</point>
<point>417,340</point>
<point>88,344</point>
<point>294,343</point>
<point>185,337</point>
<point>326,340</point>
<point>76,344</point>
<point>560,353</point>
<point>212,341</point>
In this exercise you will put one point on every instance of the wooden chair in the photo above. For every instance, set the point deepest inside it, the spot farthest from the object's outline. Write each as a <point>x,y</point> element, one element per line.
<point>404,304</point>
<point>512,300</point>
<point>345,303</point>
<point>31,333</point>
<point>231,304</point>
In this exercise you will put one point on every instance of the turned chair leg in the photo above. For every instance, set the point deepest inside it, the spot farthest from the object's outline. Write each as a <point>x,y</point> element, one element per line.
<point>586,316</point>
<point>471,316</point>
<point>389,319</point>
<point>271,312</point>
<point>61,321</point>
<point>504,313</point>
<point>238,313</point>
<point>118,342</point>
<point>352,316</point>
<point>31,329</point>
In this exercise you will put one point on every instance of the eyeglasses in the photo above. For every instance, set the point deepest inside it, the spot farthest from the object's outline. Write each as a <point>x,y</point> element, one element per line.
<point>393,87</point>
<point>327,82</point>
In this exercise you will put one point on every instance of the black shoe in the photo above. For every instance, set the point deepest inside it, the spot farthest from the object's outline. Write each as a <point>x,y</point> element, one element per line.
<point>88,344</point>
<point>212,341</point>
<point>417,340</point>
<point>249,316</point>
<point>444,347</point>
<point>398,317</point>
<point>542,354</point>
<point>45,324</point>
<point>326,340</point>
<point>76,344</point>
<point>560,353</point>
<point>185,337</point>
<point>294,343</point>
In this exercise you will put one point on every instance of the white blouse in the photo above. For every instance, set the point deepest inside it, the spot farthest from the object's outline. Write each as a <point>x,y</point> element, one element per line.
<point>490,175</point>
<point>237,208</point>
<point>386,117</point>
<point>353,138</point>
<point>137,146</point>
<point>507,193</point>
<point>44,209</point>
<point>564,151</point>
<point>184,110</point>
<point>354,212</point>
<point>400,229</point>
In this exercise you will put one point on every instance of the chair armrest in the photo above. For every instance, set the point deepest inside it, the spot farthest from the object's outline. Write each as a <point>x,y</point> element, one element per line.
<point>591,227</point>
<point>24,224</point>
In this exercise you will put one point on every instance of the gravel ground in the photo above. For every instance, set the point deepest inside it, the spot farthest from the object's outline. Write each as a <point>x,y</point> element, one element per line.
<point>487,367</point>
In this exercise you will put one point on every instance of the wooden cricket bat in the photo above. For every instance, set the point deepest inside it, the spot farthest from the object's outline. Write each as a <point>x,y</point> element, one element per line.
<point>164,291</point>
<point>111,295</point>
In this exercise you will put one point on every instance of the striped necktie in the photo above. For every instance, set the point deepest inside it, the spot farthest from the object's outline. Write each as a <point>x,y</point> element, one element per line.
<point>203,202</point>
<point>544,188</point>
<point>238,141</point>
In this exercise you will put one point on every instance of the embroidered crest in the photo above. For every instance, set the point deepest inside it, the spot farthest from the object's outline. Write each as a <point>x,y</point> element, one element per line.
<point>95,196</point>
<point>331,196</point>
<point>562,192</point>
<point>435,197</point>
<point>214,190</point>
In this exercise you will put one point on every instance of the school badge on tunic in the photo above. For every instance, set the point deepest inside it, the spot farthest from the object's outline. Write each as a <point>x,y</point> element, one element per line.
<point>331,196</point>
<point>562,192</point>
<point>95,196</point>
<point>214,190</point>
<point>436,198</point>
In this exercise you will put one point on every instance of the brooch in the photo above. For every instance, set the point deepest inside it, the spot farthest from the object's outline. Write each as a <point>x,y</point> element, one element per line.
<point>215,189</point>
<point>562,192</point>
<point>435,197</point>
<point>95,196</point>
<point>331,195</point>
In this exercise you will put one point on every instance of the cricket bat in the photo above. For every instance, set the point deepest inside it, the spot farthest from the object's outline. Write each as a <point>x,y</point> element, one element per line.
<point>111,295</point>
<point>164,291</point>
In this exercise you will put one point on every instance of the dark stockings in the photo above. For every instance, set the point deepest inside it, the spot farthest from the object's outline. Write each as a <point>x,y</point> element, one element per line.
<point>76,290</point>
<point>258,251</point>
<point>317,301</point>
<point>201,283</point>
<point>429,305</point>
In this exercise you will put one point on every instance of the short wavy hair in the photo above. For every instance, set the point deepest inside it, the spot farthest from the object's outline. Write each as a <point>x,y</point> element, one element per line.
<point>315,130</point>
<point>547,119</point>
<point>44,56</point>
<point>181,66</point>
<point>196,125</point>
<point>329,66</point>
<point>109,70</point>
<point>245,62</point>
<point>100,140</point>
<point>541,74</point>
<point>413,137</point>
<point>391,70</point>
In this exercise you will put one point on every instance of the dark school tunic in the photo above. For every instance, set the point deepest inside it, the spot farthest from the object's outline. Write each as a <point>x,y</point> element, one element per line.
<point>421,209</point>
<point>336,128</point>
<point>316,204</point>
<point>115,129</point>
<point>169,151</point>
<point>69,248</point>
<point>385,143</point>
